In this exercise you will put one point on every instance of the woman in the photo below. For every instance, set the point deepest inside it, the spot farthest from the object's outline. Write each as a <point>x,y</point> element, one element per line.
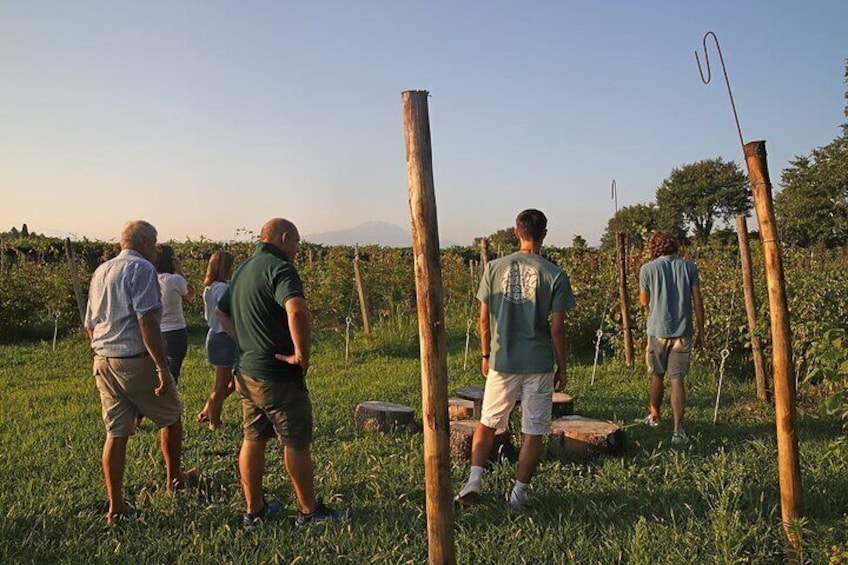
<point>220,347</point>
<point>175,288</point>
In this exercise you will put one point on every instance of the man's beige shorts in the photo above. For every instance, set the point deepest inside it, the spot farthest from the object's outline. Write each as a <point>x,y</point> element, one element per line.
<point>127,389</point>
<point>668,356</point>
<point>504,389</point>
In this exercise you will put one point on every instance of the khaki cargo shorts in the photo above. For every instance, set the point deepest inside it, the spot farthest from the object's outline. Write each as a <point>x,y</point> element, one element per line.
<point>504,389</point>
<point>668,356</point>
<point>275,408</point>
<point>127,389</point>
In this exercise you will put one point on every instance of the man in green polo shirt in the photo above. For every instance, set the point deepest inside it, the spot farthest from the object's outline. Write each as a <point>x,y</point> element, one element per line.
<point>265,311</point>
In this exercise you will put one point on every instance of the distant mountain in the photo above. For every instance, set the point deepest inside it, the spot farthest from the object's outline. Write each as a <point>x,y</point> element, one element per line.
<point>369,233</point>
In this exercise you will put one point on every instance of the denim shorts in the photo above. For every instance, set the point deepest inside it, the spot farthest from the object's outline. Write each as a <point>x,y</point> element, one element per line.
<point>220,349</point>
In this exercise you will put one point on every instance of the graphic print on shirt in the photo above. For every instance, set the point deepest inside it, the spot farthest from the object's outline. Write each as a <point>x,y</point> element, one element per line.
<point>519,283</point>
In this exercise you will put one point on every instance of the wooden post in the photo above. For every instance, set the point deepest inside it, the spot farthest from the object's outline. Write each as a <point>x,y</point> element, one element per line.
<point>751,308</point>
<point>621,262</point>
<point>431,327</point>
<point>363,306</point>
<point>484,253</point>
<point>69,257</point>
<point>789,471</point>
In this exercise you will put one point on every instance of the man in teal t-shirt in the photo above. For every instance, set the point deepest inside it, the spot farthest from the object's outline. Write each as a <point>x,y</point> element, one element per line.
<point>670,287</point>
<point>523,298</point>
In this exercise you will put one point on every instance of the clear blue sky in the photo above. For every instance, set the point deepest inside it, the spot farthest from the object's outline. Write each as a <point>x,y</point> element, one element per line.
<point>205,116</point>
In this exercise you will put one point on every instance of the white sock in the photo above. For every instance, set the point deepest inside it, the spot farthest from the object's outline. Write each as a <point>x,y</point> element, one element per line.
<point>520,487</point>
<point>476,473</point>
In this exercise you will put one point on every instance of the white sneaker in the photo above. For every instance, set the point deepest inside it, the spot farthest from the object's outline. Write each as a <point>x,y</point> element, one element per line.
<point>470,493</point>
<point>518,499</point>
<point>679,438</point>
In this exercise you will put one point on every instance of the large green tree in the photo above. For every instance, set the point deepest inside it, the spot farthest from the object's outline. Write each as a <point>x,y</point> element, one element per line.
<point>812,207</point>
<point>636,221</point>
<point>700,194</point>
<point>502,241</point>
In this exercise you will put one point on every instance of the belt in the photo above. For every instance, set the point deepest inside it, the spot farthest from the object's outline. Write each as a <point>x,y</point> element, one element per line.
<point>136,356</point>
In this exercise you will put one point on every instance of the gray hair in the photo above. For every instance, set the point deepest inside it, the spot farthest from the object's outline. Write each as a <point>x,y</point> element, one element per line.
<point>135,232</point>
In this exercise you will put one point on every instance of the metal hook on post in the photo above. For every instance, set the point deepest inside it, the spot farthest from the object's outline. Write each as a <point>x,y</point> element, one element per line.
<point>614,195</point>
<point>708,78</point>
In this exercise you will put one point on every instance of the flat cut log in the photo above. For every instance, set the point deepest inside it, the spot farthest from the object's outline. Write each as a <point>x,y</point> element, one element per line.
<point>475,395</point>
<point>373,416</point>
<point>576,435</point>
<point>462,433</point>
<point>563,405</point>
<point>460,409</point>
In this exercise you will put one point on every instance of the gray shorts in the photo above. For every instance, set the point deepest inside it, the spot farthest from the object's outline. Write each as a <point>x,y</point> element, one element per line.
<point>668,356</point>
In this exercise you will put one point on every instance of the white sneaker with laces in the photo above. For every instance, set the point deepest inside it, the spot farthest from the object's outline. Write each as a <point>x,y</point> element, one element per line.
<point>470,493</point>
<point>679,438</point>
<point>519,499</point>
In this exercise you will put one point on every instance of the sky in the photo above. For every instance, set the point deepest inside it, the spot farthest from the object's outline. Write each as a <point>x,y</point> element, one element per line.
<point>207,118</point>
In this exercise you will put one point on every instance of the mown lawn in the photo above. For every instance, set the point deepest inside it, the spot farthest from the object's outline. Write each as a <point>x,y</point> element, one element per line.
<point>715,501</point>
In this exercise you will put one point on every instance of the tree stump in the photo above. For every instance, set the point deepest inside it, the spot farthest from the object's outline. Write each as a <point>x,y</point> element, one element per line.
<point>460,409</point>
<point>373,416</point>
<point>475,395</point>
<point>462,433</point>
<point>576,435</point>
<point>563,405</point>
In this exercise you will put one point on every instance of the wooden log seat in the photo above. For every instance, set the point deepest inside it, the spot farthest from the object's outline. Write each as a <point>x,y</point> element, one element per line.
<point>462,433</point>
<point>460,409</point>
<point>373,416</point>
<point>576,435</point>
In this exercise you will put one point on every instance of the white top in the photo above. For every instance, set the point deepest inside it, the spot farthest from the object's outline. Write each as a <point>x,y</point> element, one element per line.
<point>211,295</point>
<point>174,287</point>
<point>121,291</point>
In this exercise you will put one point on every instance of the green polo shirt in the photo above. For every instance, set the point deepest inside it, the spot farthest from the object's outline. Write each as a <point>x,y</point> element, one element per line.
<point>255,300</point>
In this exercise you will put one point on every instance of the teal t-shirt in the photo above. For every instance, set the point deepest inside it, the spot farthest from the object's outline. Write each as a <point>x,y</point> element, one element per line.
<point>255,300</point>
<point>522,289</point>
<point>669,281</point>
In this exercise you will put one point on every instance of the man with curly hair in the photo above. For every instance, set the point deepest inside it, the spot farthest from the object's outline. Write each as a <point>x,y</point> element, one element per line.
<point>670,288</point>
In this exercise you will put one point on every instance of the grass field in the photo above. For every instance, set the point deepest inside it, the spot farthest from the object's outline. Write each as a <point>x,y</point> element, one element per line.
<point>715,501</point>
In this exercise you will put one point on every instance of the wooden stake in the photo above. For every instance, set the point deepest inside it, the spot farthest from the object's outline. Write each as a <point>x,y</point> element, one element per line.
<point>431,327</point>
<point>751,308</point>
<point>484,253</point>
<point>789,471</point>
<point>363,305</point>
<point>69,257</point>
<point>621,262</point>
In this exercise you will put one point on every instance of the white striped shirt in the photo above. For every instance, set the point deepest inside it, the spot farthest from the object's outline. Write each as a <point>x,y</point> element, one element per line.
<point>122,290</point>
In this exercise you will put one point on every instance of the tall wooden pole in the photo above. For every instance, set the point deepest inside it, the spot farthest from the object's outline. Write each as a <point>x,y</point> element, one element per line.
<point>751,308</point>
<point>431,327</point>
<point>621,261</point>
<point>484,253</point>
<point>69,257</point>
<point>363,305</point>
<point>789,471</point>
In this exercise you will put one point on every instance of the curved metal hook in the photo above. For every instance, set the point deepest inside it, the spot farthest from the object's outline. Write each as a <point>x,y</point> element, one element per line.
<point>708,78</point>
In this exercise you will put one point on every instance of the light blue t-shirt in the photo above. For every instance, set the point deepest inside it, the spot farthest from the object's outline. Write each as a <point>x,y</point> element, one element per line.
<point>521,290</point>
<point>669,281</point>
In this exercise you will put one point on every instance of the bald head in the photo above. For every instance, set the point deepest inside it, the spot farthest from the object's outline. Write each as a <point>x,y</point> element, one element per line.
<point>274,228</point>
<point>283,235</point>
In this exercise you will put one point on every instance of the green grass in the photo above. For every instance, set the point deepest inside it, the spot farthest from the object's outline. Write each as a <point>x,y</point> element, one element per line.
<point>716,501</point>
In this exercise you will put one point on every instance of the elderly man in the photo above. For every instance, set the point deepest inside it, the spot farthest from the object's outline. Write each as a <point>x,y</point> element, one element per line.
<point>523,299</point>
<point>130,366</point>
<point>265,311</point>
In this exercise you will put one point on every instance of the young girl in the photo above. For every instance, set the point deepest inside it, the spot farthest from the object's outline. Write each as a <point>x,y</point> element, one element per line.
<point>220,347</point>
<point>175,288</point>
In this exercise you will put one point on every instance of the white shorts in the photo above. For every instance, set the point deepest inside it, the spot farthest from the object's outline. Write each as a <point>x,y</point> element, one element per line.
<point>502,391</point>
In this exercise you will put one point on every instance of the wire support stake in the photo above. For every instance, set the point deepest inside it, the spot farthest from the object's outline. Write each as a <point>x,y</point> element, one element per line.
<point>598,335</point>
<point>467,343</point>
<point>708,78</point>
<point>348,323</point>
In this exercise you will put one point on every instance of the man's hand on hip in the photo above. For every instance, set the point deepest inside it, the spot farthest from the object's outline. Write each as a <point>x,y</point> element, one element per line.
<point>164,382</point>
<point>560,379</point>
<point>294,359</point>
